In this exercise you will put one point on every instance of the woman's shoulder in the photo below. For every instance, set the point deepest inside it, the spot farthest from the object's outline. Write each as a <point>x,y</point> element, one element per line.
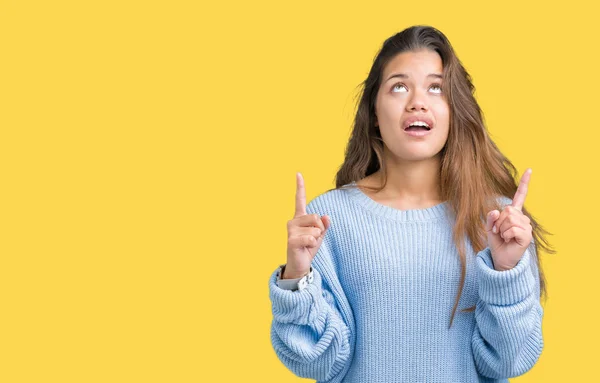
<point>339,198</point>
<point>330,202</point>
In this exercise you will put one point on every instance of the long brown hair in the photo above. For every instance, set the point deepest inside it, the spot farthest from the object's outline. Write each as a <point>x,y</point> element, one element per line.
<point>473,171</point>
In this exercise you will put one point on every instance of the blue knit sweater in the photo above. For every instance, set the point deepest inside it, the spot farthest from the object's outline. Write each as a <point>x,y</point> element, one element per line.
<point>379,305</point>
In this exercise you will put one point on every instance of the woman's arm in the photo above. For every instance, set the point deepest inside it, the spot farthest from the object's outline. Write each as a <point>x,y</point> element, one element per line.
<point>507,340</point>
<point>308,331</point>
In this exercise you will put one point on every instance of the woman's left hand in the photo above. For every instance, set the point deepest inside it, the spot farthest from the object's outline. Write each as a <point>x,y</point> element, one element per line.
<point>513,231</point>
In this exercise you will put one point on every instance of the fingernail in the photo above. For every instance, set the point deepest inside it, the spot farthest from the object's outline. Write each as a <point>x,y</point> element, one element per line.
<point>494,229</point>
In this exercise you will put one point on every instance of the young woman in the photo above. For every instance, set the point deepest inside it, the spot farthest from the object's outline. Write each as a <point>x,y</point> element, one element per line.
<point>422,264</point>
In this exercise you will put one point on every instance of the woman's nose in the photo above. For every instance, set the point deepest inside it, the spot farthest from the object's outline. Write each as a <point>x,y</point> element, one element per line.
<point>417,102</point>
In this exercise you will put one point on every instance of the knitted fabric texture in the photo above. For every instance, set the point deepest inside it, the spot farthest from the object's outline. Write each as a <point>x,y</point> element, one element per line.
<point>379,306</point>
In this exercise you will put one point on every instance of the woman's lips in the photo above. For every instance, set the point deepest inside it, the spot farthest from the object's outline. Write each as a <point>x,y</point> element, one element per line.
<point>418,133</point>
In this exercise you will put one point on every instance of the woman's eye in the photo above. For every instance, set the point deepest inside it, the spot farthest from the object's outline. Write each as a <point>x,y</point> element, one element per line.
<point>437,86</point>
<point>398,85</point>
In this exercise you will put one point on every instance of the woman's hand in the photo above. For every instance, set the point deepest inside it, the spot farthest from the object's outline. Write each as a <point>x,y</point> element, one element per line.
<point>305,235</point>
<point>509,233</point>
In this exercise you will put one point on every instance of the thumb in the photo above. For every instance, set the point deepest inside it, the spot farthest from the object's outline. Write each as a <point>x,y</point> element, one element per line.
<point>326,223</point>
<point>494,240</point>
<point>492,216</point>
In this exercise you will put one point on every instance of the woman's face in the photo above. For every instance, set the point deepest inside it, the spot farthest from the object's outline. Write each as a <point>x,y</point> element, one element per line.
<point>411,89</point>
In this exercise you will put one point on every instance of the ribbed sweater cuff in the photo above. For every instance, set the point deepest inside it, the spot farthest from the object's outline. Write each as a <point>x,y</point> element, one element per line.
<point>300,306</point>
<point>504,287</point>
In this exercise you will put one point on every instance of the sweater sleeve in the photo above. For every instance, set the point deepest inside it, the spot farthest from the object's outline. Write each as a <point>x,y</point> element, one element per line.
<point>308,332</point>
<point>507,339</point>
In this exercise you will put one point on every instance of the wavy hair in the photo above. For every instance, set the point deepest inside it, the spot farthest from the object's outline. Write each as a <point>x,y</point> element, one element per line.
<point>473,171</point>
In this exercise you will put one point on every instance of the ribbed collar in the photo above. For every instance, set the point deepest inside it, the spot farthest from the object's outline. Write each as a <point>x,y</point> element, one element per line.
<point>431,213</point>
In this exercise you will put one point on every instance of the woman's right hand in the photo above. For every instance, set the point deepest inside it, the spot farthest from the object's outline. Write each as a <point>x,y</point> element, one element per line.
<point>305,235</point>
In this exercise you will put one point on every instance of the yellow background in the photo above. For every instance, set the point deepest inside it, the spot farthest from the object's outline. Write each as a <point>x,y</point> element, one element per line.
<point>148,158</point>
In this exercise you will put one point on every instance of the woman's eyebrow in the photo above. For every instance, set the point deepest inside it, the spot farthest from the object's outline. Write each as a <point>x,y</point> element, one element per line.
<point>404,75</point>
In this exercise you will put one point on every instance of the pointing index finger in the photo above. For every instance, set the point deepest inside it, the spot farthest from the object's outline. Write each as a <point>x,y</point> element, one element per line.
<point>521,193</point>
<point>300,196</point>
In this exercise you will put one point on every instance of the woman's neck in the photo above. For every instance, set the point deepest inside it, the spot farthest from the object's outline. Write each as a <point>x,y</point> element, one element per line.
<point>413,183</point>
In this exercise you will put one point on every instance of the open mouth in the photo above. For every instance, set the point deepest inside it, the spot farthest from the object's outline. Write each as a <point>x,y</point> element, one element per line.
<point>418,124</point>
<point>417,129</point>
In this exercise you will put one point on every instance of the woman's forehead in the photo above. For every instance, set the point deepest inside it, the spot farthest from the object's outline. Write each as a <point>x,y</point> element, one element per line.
<point>411,64</point>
